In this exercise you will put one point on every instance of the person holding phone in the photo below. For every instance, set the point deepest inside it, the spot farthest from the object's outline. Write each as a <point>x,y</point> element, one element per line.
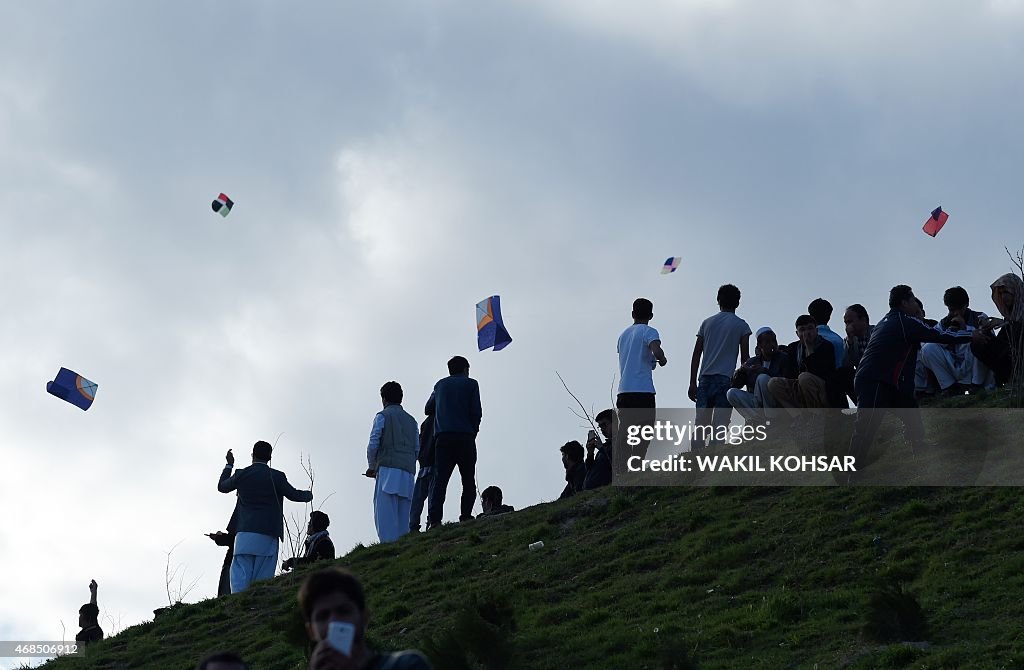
<point>333,606</point>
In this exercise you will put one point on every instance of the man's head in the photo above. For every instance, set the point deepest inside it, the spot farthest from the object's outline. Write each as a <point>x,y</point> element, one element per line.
<point>262,451</point>
<point>458,365</point>
<point>333,594</point>
<point>88,615</point>
<point>820,310</point>
<point>806,329</point>
<point>856,319</point>
<point>606,421</point>
<point>222,660</point>
<point>318,521</point>
<point>572,453</point>
<point>490,498</point>
<point>643,310</point>
<point>901,297</point>
<point>728,297</point>
<point>956,300</point>
<point>918,308</point>
<point>767,342</point>
<point>391,393</point>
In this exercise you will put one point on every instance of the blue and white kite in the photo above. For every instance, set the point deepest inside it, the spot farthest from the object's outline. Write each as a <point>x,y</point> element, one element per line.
<point>490,330</point>
<point>73,387</point>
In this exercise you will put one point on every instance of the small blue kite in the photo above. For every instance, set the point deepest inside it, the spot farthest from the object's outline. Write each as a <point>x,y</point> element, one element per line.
<point>73,387</point>
<point>490,330</point>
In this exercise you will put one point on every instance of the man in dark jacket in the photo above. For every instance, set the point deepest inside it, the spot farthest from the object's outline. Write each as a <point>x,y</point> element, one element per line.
<point>425,476</point>
<point>261,493</point>
<point>318,544</point>
<point>575,470</point>
<point>599,454</point>
<point>885,377</point>
<point>455,404</point>
<point>768,361</point>
<point>817,384</point>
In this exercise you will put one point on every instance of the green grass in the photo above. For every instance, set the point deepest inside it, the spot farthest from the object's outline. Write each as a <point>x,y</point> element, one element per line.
<point>718,577</point>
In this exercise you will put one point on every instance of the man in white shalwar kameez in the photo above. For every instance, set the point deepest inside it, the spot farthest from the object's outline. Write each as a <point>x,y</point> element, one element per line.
<point>391,459</point>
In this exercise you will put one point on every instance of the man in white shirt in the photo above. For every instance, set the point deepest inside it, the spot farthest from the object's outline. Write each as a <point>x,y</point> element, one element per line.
<point>639,350</point>
<point>391,459</point>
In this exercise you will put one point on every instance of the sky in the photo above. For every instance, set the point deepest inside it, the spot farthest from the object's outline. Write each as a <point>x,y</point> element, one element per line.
<point>392,164</point>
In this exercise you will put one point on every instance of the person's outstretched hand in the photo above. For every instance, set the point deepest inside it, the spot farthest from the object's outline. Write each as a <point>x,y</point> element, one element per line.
<point>230,457</point>
<point>93,586</point>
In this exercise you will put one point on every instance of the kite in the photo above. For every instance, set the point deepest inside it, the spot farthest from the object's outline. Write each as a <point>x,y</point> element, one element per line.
<point>671,264</point>
<point>935,222</point>
<point>490,331</point>
<point>222,205</point>
<point>73,387</point>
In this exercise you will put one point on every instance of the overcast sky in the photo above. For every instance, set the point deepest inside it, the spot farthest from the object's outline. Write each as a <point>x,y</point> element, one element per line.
<point>393,163</point>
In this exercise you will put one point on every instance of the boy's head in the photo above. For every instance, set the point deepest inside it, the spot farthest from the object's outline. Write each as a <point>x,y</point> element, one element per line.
<point>820,310</point>
<point>572,453</point>
<point>262,451</point>
<point>767,342</point>
<point>318,521</point>
<point>956,300</point>
<point>728,298</point>
<point>855,318</point>
<point>458,365</point>
<point>490,498</point>
<point>901,297</point>
<point>391,393</point>
<point>643,310</point>
<point>605,421</point>
<point>806,329</point>
<point>333,594</point>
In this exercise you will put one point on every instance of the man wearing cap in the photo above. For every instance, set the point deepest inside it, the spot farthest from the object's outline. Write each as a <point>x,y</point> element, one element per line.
<point>768,361</point>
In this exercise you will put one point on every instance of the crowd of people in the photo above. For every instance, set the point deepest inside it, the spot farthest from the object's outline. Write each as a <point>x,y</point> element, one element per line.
<point>880,367</point>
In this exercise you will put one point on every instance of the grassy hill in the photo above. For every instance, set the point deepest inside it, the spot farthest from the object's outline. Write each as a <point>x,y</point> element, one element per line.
<point>752,577</point>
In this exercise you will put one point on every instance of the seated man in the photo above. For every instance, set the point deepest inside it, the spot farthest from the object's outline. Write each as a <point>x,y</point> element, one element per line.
<point>490,500</point>
<point>318,543</point>
<point>599,454</point>
<point>335,595</point>
<point>575,470</point>
<point>768,361</point>
<point>858,333</point>
<point>88,619</point>
<point>954,366</point>
<point>222,660</point>
<point>997,352</point>
<point>817,385</point>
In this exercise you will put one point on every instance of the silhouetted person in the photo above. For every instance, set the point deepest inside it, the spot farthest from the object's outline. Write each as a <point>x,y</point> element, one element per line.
<point>261,493</point>
<point>425,475</point>
<point>997,351</point>
<point>455,404</point>
<point>88,619</point>
<point>575,469</point>
<point>222,660</point>
<point>599,453</point>
<point>490,500</point>
<point>335,594</point>
<point>391,460</point>
<point>226,539</point>
<point>318,544</point>
<point>639,349</point>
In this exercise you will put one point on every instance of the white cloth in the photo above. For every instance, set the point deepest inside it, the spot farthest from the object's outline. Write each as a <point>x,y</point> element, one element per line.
<point>392,502</point>
<point>255,557</point>
<point>954,367</point>
<point>721,334</point>
<point>636,360</point>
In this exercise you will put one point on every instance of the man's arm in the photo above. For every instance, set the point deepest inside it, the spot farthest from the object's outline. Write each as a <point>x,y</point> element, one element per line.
<point>477,408</point>
<point>745,348</point>
<point>374,444</point>
<point>659,353</point>
<point>430,408</point>
<point>698,350</point>
<point>228,482</point>
<point>290,492</point>
<point>93,587</point>
<point>915,331</point>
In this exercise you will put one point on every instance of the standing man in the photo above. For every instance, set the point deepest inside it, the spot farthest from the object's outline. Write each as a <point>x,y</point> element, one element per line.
<point>88,619</point>
<point>639,349</point>
<point>260,507</point>
<point>391,459</point>
<point>455,404</point>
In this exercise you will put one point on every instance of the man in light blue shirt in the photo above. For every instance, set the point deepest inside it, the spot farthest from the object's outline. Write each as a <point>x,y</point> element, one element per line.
<point>821,311</point>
